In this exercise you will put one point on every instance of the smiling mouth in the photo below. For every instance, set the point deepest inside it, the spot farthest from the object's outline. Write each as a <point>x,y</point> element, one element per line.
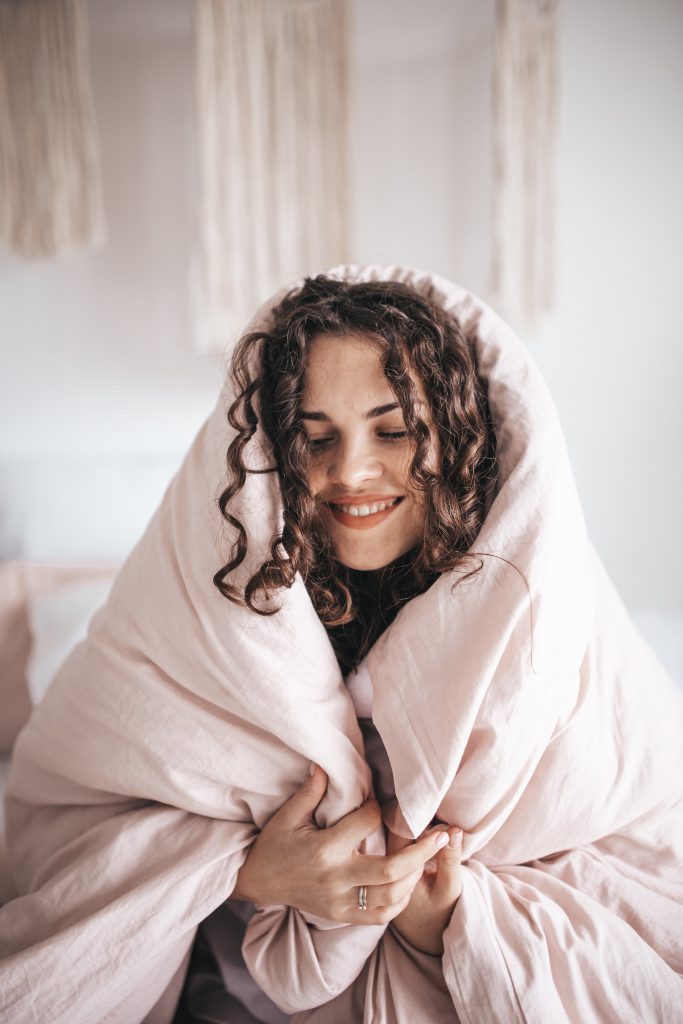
<point>370,509</point>
<point>359,516</point>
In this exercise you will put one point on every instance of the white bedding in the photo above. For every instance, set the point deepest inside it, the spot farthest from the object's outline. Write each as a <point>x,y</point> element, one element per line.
<point>59,620</point>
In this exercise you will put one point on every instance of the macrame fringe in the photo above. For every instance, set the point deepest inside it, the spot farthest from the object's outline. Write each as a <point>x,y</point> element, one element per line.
<point>273,151</point>
<point>525,115</point>
<point>50,188</point>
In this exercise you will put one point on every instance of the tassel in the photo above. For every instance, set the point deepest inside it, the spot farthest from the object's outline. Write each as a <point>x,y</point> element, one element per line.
<point>525,115</point>
<point>50,190</point>
<point>273,150</point>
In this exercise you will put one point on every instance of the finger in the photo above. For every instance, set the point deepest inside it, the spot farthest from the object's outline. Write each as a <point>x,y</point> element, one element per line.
<point>448,882</point>
<point>298,810</point>
<point>375,915</point>
<point>391,893</point>
<point>371,870</point>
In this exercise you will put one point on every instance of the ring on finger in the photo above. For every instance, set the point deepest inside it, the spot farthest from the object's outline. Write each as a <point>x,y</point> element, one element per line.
<point>362,897</point>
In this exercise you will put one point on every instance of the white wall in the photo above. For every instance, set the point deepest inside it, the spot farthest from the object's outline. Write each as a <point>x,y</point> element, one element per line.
<point>421,135</point>
<point>612,350</point>
<point>97,357</point>
<point>97,352</point>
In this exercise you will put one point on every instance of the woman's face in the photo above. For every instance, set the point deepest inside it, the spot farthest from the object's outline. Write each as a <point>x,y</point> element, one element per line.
<point>360,453</point>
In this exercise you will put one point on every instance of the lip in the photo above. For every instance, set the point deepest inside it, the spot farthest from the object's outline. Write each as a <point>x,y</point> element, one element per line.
<point>360,499</point>
<point>363,522</point>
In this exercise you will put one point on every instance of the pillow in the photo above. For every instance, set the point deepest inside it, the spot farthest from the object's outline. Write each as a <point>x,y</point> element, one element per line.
<point>15,643</point>
<point>7,888</point>
<point>58,621</point>
<point>20,583</point>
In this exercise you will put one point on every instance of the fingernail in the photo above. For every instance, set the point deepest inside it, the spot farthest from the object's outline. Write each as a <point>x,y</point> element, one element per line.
<point>455,839</point>
<point>441,840</point>
<point>311,768</point>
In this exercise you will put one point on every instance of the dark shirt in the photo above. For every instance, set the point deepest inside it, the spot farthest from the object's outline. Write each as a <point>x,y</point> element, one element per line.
<point>377,597</point>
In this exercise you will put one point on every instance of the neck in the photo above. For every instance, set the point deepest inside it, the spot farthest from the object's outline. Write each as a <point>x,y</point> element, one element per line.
<point>377,579</point>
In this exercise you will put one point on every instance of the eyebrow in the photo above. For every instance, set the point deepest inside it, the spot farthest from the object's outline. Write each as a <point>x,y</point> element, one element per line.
<point>371,414</point>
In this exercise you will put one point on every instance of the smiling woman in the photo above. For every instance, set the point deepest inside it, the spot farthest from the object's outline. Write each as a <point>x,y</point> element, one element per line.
<point>419,765</point>
<point>378,423</point>
<point>363,390</point>
<point>370,399</point>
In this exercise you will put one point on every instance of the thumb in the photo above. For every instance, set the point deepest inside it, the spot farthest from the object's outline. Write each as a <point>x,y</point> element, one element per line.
<point>298,810</point>
<point>448,882</point>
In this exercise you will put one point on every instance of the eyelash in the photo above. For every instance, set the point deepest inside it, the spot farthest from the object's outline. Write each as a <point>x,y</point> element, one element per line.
<point>319,444</point>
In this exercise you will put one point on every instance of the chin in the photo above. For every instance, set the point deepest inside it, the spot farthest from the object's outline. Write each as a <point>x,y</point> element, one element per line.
<point>367,561</point>
<point>362,564</point>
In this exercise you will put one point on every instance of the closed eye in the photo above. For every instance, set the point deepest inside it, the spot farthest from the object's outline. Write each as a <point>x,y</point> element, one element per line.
<point>318,444</point>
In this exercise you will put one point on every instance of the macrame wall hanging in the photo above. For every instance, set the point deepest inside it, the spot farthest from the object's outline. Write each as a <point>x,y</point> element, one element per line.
<point>273,151</point>
<point>50,188</point>
<point>524,127</point>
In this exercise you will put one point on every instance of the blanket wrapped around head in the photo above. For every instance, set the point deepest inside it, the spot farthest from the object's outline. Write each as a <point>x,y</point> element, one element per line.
<point>520,705</point>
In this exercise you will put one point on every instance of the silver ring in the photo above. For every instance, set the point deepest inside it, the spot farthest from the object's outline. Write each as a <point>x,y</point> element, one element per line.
<point>362,897</point>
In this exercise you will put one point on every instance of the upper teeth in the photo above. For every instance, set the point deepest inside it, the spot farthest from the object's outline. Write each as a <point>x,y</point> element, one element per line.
<point>366,510</point>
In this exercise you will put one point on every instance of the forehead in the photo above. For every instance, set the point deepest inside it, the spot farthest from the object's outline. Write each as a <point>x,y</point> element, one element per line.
<point>344,362</point>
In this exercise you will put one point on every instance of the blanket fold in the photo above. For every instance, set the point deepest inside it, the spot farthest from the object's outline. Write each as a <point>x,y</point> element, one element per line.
<point>521,705</point>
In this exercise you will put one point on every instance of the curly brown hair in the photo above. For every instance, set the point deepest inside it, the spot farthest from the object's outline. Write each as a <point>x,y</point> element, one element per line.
<point>269,367</point>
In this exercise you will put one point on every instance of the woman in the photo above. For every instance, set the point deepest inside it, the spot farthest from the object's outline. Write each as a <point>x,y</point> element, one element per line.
<point>382,439</point>
<point>504,699</point>
<point>378,501</point>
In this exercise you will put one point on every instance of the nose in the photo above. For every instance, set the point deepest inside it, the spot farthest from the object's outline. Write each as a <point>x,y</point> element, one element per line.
<point>354,463</point>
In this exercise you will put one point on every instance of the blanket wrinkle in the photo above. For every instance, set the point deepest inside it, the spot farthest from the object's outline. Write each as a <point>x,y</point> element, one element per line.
<point>280,942</point>
<point>126,918</point>
<point>564,769</point>
<point>399,984</point>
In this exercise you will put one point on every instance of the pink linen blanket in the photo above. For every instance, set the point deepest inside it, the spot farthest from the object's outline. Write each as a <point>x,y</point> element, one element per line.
<point>521,705</point>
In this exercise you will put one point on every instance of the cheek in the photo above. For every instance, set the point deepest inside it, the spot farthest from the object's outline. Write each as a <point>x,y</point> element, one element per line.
<point>398,465</point>
<point>316,477</point>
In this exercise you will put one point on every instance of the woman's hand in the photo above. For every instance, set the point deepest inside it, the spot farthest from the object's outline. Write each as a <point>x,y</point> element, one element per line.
<point>433,899</point>
<point>295,863</point>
